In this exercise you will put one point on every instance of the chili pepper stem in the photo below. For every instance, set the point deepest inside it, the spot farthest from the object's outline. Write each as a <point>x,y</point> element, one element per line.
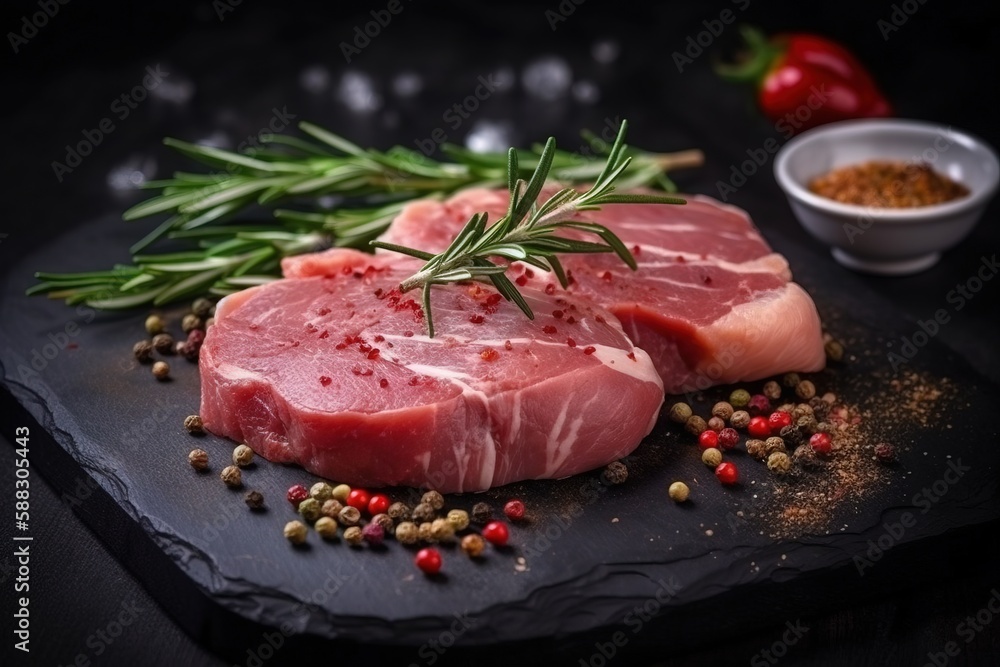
<point>758,58</point>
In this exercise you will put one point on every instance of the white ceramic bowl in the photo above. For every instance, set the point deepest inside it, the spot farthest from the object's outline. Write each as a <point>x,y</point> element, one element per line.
<point>889,241</point>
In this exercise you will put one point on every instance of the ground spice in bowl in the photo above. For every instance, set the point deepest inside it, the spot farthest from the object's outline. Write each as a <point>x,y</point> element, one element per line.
<point>888,184</point>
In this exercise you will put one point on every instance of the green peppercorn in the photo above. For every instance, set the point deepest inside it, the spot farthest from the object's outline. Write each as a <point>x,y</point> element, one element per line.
<point>801,410</point>
<point>194,425</point>
<point>824,427</point>
<point>740,398</point>
<point>232,477</point>
<point>791,380</point>
<point>482,513</point>
<point>296,532</point>
<point>679,412</point>
<point>740,419</point>
<point>459,519</point>
<point>399,511</point>
<point>242,456</point>
<point>254,500</point>
<point>143,351</point>
<point>442,530</point>
<point>807,423</point>
<point>310,509</point>
<point>778,462</point>
<point>786,407</point>
<point>407,533</point>
<point>341,491</point>
<point>695,425</point>
<point>424,530</point>
<point>805,390</point>
<point>423,512</point>
<point>349,516</point>
<point>385,522</point>
<point>722,410</point>
<point>163,343</point>
<point>834,350</point>
<point>161,370</point>
<point>354,536</point>
<point>191,322</point>
<point>711,457</point>
<point>679,492</point>
<point>755,448</point>
<point>321,491</point>
<point>198,458</point>
<point>202,307</point>
<point>331,508</point>
<point>773,444</point>
<point>434,499</point>
<point>772,390</point>
<point>326,528</point>
<point>154,325</point>
<point>473,545</point>
<point>615,473</point>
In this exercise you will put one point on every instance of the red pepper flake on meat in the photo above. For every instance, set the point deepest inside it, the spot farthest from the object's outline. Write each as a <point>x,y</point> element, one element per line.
<point>558,314</point>
<point>378,338</point>
<point>325,334</point>
<point>680,259</point>
<point>529,273</point>
<point>364,347</point>
<point>476,318</point>
<point>383,383</point>
<point>570,320</point>
<point>600,319</point>
<point>636,250</point>
<point>373,354</point>
<point>379,293</point>
<point>707,280</point>
<point>323,311</point>
<point>324,380</point>
<point>357,370</point>
<point>489,354</point>
<point>346,270</point>
<point>340,346</point>
<point>491,303</point>
<point>407,334</point>
<point>549,329</point>
<point>631,355</point>
<point>550,289</point>
<point>571,342</point>
<point>590,349</point>
<point>521,280</point>
<point>507,345</point>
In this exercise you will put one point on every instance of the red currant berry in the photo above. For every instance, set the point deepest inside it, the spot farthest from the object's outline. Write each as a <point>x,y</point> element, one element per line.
<point>514,509</point>
<point>778,420</point>
<point>728,438</point>
<point>379,504</point>
<point>759,427</point>
<point>359,498</point>
<point>496,533</point>
<point>726,472</point>
<point>758,405</point>
<point>296,494</point>
<point>708,438</point>
<point>429,561</point>
<point>820,442</point>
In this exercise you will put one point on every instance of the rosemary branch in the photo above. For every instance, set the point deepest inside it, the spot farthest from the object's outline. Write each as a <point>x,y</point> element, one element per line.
<point>528,232</point>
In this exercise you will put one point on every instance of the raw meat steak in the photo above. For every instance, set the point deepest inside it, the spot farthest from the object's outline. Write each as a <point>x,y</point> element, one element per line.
<point>332,369</point>
<point>711,303</point>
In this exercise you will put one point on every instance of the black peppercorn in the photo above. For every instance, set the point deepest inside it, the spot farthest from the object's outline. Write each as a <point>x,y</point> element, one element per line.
<point>143,351</point>
<point>423,512</point>
<point>615,473</point>
<point>885,453</point>
<point>254,500</point>
<point>164,343</point>
<point>792,435</point>
<point>482,513</point>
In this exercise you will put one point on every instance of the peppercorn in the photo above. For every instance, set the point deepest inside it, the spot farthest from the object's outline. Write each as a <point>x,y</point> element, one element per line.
<point>399,511</point>
<point>824,427</point>
<point>678,492</point>
<point>191,322</point>
<point>801,410</point>
<point>434,499</point>
<point>373,534</point>
<point>740,419</point>
<point>759,427</point>
<point>834,350</point>
<point>442,530</point>
<point>296,494</point>
<point>821,443</point>
<point>807,423</point>
<point>194,425</point>
<point>321,491</point>
<point>242,456</point>
<point>163,343</point>
<point>772,445</point>
<point>759,405</point>
<point>202,307</point>
<point>756,449</point>
<point>786,407</point>
<point>791,380</point>
<point>679,412</point>
<point>885,453</point>
<point>254,500</point>
<point>820,407</point>
<point>378,504</point>
<point>728,438</point>
<point>154,325</point>
<point>143,351</point>
<point>695,425</point>
<point>358,498</point>
<point>423,512</point>
<point>232,477</point>
<point>424,531</point>
<point>495,532</point>
<point>459,519</point>
<point>805,457</point>
<point>829,398</point>
<point>722,410</point>
<point>349,516</point>
<point>779,463</point>
<point>792,435</point>
<point>331,508</point>
<point>161,370</point>
<point>473,545</point>
<point>772,390</point>
<point>310,509</point>
<point>385,521</point>
<point>326,527</point>
<point>296,532</point>
<point>514,510</point>
<point>716,423</point>
<point>708,438</point>
<point>407,533</point>
<point>805,390</point>
<point>198,458</point>
<point>727,473</point>
<point>341,491</point>
<point>429,561</point>
<point>196,337</point>
<point>354,536</point>
<point>711,457</point>
<point>740,398</point>
<point>778,420</point>
<point>481,513</point>
<point>615,473</point>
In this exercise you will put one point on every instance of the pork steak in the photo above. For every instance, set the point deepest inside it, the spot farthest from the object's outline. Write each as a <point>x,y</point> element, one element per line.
<point>331,369</point>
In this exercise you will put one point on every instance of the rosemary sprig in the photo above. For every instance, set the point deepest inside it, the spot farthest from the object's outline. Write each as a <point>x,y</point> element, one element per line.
<point>206,213</point>
<point>528,232</point>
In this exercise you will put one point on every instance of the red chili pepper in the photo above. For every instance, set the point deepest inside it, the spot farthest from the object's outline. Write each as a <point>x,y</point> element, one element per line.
<point>805,80</point>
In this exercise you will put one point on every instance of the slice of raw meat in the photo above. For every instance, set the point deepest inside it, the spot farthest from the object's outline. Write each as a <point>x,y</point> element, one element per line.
<point>333,370</point>
<point>711,302</point>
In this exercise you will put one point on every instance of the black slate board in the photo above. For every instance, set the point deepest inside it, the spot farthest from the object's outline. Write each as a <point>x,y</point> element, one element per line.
<point>217,567</point>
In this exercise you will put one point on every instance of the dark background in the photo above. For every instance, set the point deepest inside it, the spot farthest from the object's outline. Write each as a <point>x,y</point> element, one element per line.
<point>228,73</point>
